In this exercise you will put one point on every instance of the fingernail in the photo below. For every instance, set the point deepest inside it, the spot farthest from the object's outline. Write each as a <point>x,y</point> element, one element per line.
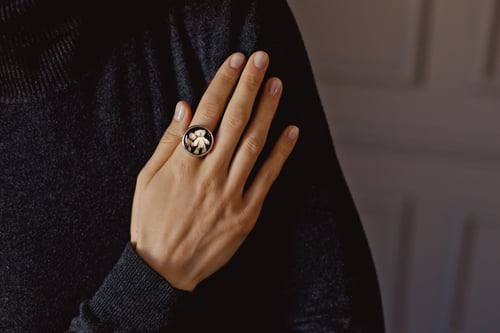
<point>237,60</point>
<point>260,60</point>
<point>293,133</point>
<point>179,112</point>
<point>275,87</point>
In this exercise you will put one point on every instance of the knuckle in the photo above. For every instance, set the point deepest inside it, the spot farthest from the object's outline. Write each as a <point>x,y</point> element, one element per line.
<point>254,144</point>
<point>270,176</point>
<point>283,152</point>
<point>169,137</point>
<point>223,203</point>
<point>209,109</point>
<point>251,81</point>
<point>184,169</point>
<point>235,121</point>
<point>226,77</point>
<point>244,223</point>
<point>207,185</point>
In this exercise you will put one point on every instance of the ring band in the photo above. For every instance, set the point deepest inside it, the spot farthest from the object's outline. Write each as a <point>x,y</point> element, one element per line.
<point>198,140</point>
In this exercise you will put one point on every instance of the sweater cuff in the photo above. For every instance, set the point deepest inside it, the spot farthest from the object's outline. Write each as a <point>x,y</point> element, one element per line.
<point>134,296</point>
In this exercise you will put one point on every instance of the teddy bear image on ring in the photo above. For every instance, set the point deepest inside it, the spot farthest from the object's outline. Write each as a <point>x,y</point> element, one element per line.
<point>196,141</point>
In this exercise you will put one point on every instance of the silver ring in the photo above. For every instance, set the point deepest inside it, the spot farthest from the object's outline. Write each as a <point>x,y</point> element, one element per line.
<point>198,140</point>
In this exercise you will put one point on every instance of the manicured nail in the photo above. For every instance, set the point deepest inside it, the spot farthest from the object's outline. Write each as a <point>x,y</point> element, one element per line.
<point>260,60</point>
<point>293,133</point>
<point>179,112</point>
<point>275,87</point>
<point>237,60</point>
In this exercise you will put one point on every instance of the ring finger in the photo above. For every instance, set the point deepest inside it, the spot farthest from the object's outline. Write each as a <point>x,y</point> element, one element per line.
<point>255,136</point>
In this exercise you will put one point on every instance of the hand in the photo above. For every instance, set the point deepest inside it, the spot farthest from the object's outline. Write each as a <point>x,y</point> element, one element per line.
<point>191,214</point>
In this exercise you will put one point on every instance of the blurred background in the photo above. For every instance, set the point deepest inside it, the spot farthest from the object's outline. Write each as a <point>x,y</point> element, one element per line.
<point>412,93</point>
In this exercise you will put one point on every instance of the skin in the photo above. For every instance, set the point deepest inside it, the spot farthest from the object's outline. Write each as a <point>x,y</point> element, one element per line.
<point>190,215</point>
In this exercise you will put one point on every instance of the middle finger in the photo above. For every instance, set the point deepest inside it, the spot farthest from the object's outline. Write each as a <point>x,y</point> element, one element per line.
<point>240,107</point>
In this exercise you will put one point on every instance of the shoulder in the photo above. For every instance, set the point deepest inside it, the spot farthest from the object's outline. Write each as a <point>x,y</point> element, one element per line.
<point>229,16</point>
<point>221,7</point>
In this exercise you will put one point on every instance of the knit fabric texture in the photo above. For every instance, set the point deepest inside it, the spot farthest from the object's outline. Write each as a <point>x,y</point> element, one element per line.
<point>86,90</point>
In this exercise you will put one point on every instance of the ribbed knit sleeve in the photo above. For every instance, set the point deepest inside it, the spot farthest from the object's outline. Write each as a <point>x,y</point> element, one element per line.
<point>132,298</point>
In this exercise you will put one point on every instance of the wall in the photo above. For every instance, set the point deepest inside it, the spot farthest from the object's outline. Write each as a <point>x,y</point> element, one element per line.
<point>412,93</point>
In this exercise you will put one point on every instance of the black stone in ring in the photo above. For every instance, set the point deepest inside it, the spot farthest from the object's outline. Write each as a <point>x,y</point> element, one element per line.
<point>198,140</point>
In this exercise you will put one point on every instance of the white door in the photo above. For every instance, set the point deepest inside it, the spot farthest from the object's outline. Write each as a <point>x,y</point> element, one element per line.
<point>412,93</point>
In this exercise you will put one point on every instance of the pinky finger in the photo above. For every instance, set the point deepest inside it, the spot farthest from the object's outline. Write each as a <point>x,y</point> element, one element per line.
<point>270,170</point>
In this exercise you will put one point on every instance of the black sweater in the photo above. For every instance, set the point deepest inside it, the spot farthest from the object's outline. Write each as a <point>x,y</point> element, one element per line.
<point>85,93</point>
